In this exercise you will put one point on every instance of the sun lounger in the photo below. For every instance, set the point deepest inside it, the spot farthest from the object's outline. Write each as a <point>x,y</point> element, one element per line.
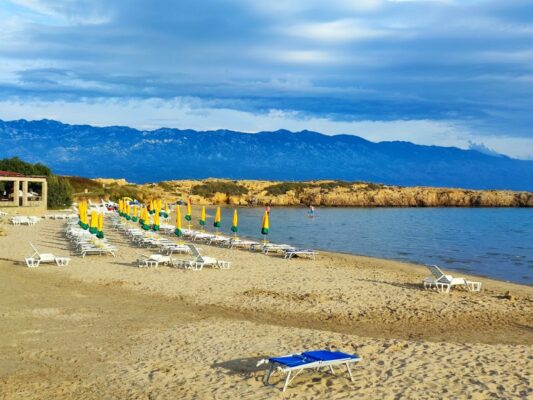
<point>37,258</point>
<point>242,244</point>
<point>443,283</point>
<point>153,260</point>
<point>201,261</point>
<point>288,254</point>
<point>294,364</point>
<point>276,248</point>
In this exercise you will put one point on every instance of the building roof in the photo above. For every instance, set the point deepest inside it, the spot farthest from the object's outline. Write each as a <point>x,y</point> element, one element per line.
<point>11,174</point>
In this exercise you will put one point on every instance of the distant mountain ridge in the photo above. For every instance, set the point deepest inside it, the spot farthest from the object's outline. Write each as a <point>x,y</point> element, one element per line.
<point>166,154</point>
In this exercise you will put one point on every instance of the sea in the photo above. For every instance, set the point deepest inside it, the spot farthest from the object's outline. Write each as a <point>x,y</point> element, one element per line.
<point>489,242</point>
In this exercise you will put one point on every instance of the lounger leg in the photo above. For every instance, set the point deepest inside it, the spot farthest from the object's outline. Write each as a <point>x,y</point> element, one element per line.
<point>331,369</point>
<point>287,380</point>
<point>267,376</point>
<point>349,371</point>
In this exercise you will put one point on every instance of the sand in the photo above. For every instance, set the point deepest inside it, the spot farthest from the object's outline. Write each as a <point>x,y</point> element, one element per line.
<point>102,328</point>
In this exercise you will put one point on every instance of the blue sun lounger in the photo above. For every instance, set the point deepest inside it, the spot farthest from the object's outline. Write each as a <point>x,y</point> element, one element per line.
<point>298,363</point>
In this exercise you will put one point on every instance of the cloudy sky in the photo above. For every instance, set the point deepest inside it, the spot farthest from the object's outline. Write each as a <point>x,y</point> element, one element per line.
<point>452,72</point>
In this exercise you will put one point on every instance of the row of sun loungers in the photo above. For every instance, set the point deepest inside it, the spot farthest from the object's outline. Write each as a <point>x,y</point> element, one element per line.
<point>61,216</point>
<point>167,248</point>
<point>24,220</point>
<point>84,243</point>
<point>285,250</point>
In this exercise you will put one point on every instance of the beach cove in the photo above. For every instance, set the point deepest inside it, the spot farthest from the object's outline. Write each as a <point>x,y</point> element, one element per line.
<point>102,327</point>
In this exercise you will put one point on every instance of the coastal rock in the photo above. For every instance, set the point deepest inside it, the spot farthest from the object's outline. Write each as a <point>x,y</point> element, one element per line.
<point>326,193</point>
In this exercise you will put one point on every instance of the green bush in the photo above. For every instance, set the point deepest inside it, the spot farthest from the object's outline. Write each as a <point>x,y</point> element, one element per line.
<point>334,184</point>
<point>59,192</point>
<point>79,184</point>
<point>209,189</point>
<point>284,187</point>
<point>167,187</point>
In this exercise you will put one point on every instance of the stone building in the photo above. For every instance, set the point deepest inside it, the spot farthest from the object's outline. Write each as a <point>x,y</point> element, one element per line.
<point>26,192</point>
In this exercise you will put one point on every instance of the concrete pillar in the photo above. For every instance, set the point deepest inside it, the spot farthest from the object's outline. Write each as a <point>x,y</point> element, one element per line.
<point>24,193</point>
<point>16,188</point>
<point>44,195</point>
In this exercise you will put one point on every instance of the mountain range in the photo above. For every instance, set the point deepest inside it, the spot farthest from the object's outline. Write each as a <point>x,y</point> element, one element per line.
<point>165,154</point>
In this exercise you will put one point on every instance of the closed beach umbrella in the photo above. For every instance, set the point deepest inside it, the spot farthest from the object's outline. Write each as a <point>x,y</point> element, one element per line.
<point>135,214</point>
<point>178,231</point>
<point>128,211</point>
<point>100,232</point>
<point>94,223</point>
<point>164,212</point>
<point>141,215</point>
<point>151,206</point>
<point>265,227</point>
<point>146,220</point>
<point>157,222</point>
<point>216,222</point>
<point>188,216</point>
<point>202,217</point>
<point>235,223</point>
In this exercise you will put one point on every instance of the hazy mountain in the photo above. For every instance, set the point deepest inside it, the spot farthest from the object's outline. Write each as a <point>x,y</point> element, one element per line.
<point>165,154</point>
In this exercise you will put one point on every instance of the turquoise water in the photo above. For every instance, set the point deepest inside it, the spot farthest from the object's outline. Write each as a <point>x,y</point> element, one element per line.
<point>491,242</point>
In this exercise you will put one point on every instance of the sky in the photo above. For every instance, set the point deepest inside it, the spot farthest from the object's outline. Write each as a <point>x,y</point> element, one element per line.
<point>449,73</point>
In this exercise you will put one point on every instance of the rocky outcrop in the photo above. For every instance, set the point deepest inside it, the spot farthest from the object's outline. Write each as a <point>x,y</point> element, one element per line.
<point>334,194</point>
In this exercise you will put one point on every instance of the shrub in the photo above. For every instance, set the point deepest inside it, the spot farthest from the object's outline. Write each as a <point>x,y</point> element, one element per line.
<point>59,192</point>
<point>284,187</point>
<point>167,187</point>
<point>209,189</point>
<point>79,184</point>
<point>334,184</point>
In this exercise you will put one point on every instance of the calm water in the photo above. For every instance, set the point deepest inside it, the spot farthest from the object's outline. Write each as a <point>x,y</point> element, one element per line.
<point>496,243</point>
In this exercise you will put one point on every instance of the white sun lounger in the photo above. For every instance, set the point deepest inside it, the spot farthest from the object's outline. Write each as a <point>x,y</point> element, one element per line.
<point>295,364</point>
<point>153,260</point>
<point>37,258</point>
<point>288,254</point>
<point>201,261</point>
<point>443,283</point>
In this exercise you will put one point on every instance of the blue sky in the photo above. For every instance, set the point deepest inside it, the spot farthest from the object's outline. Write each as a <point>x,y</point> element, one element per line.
<point>433,72</point>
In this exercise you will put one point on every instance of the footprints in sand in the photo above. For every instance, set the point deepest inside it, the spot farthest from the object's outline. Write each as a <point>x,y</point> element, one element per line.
<point>63,314</point>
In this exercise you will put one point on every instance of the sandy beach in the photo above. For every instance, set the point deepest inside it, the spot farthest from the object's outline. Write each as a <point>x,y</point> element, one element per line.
<point>103,328</point>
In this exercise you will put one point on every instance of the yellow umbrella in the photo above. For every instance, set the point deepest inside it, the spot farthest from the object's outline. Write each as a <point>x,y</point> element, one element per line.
<point>157,221</point>
<point>94,222</point>
<point>100,233</point>
<point>235,223</point>
<point>217,220</point>
<point>178,231</point>
<point>202,217</point>
<point>152,207</point>
<point>188,216</point>
<point>265,226</point>
<point>145,220</point>
<point>128,211</point>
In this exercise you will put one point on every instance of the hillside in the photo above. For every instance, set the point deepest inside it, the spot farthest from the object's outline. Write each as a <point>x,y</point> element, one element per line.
<point>164,154</point>
<point>318,193</point>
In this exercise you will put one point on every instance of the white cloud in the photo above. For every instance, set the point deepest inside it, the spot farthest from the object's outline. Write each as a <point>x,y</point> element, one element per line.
<point>334,31</point>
